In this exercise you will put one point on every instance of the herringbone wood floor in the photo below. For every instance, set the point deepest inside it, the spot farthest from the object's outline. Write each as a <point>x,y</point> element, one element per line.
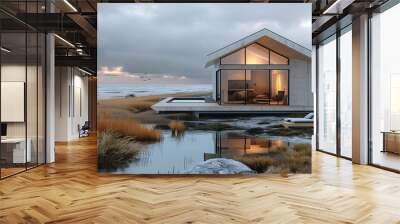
<point>71,191</point>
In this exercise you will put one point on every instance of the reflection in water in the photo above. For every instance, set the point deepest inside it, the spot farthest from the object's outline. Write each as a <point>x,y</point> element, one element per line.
<point>175,154</point>
<point>231,145</point>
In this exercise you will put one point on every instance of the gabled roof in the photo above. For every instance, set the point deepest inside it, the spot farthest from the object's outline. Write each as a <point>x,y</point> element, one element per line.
<point>266,38</point>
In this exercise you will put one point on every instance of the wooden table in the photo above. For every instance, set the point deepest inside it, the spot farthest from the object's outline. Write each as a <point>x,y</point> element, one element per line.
<point>391,141</point>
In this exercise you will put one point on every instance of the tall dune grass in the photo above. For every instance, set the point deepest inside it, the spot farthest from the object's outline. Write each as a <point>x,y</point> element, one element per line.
<point>115,152</point>
<point>177,126</point>
<point>280,159</point>
<point>128,127</point>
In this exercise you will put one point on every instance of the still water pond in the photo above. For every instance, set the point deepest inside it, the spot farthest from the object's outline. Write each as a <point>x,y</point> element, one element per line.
<point>175,154</point>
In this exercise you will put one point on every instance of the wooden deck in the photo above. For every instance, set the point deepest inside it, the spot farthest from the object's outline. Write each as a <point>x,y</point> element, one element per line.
<point>71,191</point>
<point>213,107</point>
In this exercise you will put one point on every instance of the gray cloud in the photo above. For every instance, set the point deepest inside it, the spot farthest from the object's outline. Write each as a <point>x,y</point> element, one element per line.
<point>175,38</point>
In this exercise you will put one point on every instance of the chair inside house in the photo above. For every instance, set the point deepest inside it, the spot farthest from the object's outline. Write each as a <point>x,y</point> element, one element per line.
<point>279,98</point>
<point>84,129</point>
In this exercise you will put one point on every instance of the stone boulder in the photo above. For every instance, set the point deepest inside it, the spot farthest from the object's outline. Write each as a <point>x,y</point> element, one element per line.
<point>220,166</point>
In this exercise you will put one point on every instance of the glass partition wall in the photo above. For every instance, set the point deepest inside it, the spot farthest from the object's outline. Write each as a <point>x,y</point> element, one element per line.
<point>334,98</point>
<point>22,98</point>
<point>327,95</point>
<point>346,94</point>
<point>385,90</point>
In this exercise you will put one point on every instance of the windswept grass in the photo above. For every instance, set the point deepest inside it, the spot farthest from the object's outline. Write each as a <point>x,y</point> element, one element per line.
<point>282,131</point>
<point>139,108</point>
<point>280,160</point>
<point>128,127</point>
<point>300,159</point>
<point>258,163</point>
<point>114,151</point>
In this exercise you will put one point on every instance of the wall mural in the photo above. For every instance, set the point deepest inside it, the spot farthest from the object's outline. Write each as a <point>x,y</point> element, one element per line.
<point>167,105</point>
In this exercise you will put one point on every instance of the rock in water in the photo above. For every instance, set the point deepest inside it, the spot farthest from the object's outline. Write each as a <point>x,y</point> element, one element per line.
<point>220,166</point>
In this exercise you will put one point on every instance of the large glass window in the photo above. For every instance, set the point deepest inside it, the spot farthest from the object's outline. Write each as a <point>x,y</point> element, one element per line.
<point>277,59</point>
<point>254,54</point>
<point>233,86</point>
<point>327,95</point>
<point>385,89</point>
<point>234,58</point>
<point>258,91</point>
<point>254,87</point>
<point>346,93</point>
<point>257,54</point>
<point>279,86</point>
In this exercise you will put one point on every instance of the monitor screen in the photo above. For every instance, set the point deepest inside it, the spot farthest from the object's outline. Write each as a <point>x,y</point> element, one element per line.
<point>3,129</point>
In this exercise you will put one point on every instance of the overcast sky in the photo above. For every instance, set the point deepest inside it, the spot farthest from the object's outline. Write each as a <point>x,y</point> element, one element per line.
<point>169,42</point>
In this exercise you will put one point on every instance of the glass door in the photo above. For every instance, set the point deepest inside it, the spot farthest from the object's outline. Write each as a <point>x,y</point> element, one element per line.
<point>233,87</point>
<point>258,87</point>
<point>385,90</point>
<point>327,96</point>
<point>14,144</point>
<point>346,93</point>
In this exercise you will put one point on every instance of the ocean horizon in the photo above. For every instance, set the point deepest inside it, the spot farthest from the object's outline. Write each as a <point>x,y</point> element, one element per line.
<point>115,91</point>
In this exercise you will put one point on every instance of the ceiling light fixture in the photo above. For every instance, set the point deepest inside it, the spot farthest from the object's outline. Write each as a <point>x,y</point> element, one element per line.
<point>84,71</point>
<point>5,50</point>
<point>64,40</point>
<point>70,5</point>
<point>337,7</point>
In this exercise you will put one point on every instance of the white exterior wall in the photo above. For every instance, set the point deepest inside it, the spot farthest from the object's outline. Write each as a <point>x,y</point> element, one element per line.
<point>300,91</point>
<point>214,81</point>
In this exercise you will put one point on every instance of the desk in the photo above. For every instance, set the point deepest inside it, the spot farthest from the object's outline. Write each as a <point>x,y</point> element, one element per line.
<point>13,150</point>
<point>391,141</point>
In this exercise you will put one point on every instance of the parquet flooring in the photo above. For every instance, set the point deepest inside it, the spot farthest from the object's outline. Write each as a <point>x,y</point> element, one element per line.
<point>71,191</point>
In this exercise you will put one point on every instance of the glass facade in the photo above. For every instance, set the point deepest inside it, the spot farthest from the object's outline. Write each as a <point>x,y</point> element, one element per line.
<point>22,87</point>
<point>327,95</point>
<point>346,92</point>
<point>254,54</point>
<point>259,86</point>
<point>237,57</point>
<point>334,98</point>
<point>277,59</point>
<point>257,55</point>
<point>385,90</point>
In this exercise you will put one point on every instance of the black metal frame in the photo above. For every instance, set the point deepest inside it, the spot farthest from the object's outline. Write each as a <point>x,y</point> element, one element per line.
<point>338,95</point>
<point>219,77</point>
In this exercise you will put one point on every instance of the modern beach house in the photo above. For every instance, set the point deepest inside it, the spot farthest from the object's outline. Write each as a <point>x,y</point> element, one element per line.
<point>262,72</point>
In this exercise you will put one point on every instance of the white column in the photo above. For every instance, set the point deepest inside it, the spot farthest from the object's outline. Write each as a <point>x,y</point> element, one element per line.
<point>50,98</point>
<point>314,92</point>
<point>360,90</point>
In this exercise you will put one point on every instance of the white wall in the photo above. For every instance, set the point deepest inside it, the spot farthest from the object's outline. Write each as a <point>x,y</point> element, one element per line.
<point>214,81</point>
<point>300,92</point>
<point>71,87</point>
<point>314,92</point>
